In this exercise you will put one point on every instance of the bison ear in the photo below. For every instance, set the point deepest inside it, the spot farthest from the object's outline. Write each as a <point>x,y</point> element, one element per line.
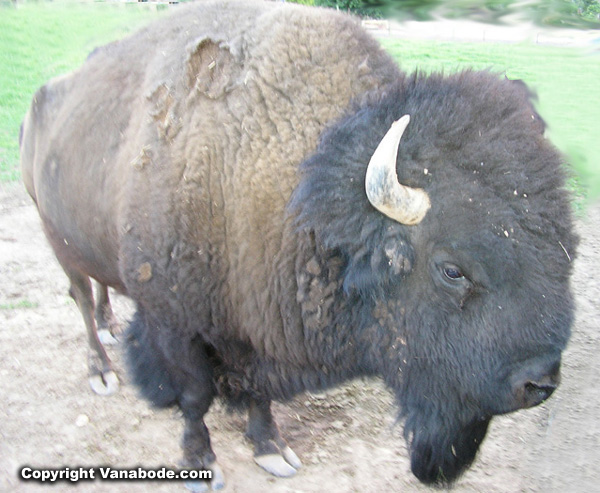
<point>372,272</point>
<point>531,99</point>
<point>211,68</point>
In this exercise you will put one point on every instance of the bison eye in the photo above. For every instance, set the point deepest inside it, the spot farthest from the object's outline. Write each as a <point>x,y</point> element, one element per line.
<point>452,279</point>
<point>453,273</point>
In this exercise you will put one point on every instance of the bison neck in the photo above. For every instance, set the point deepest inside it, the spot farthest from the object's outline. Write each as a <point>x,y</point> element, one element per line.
<point>304,333</point>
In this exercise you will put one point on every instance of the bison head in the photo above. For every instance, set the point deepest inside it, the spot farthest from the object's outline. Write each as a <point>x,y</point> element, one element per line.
<point>462,304</point>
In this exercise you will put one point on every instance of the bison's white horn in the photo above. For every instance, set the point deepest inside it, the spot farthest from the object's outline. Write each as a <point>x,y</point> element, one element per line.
<point>399,202</point>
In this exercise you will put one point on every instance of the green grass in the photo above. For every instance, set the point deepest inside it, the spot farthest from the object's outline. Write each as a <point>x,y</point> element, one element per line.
<point>566,80</point>
<point>22,304</point>
<point>41,40</point>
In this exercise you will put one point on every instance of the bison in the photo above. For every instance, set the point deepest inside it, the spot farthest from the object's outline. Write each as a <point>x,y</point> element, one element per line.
<point>289,211</point>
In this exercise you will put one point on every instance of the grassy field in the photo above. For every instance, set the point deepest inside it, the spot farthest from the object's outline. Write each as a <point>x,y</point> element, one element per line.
<point>566,81</point>
<point>40,40</point>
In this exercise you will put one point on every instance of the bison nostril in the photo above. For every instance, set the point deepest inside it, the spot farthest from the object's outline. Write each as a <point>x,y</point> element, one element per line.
<point>537,393</point>
<point>533,383</point>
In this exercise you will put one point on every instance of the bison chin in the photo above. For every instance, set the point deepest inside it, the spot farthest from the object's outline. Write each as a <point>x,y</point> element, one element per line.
<point>439,456</point>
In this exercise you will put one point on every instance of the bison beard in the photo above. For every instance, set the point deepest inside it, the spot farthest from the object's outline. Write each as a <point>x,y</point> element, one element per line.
<point>440,455</point>
<point>240,210</point>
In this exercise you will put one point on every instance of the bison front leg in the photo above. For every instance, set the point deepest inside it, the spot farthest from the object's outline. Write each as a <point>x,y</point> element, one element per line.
<point>271,452</point>
<point>197,450</point>
<point>172,370</point>
<point>102,377</point>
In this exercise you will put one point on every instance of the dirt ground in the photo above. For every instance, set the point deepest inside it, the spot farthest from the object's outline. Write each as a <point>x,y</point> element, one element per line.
<point>346,438</point>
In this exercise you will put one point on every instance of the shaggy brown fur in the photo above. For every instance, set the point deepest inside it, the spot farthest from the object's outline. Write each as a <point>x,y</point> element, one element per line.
<point>220,93</point>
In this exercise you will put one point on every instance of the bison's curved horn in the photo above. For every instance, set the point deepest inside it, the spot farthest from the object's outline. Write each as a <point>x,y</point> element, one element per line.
<point>399,202</point>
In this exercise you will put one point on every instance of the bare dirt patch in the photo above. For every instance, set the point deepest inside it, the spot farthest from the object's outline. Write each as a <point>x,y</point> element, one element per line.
<point>346,437</point>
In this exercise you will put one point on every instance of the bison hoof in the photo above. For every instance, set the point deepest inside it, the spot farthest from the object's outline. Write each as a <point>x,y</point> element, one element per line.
<point>104,384</point>
<point>217,482</point>
<point>197,486</point>
<point>106,338</point>
<point>291,458</point>
<point>283,466</point>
